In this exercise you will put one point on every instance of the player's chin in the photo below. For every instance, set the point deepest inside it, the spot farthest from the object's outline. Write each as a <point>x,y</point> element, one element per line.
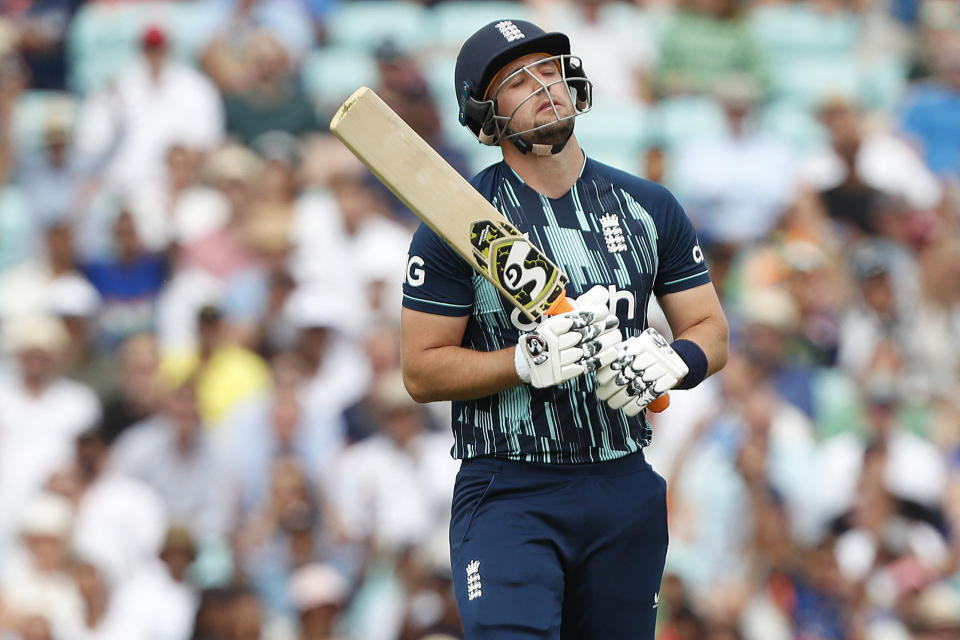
<point>554,133</point>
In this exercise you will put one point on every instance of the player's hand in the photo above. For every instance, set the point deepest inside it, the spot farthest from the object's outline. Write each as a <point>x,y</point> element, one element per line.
<point>569,344</point>
<point>645,368</point>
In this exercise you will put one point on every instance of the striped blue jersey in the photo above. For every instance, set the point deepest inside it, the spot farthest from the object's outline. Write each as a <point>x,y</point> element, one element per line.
<point>613,229</point>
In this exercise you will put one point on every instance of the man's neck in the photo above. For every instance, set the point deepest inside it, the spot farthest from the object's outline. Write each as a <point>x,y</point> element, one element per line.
<point>554,175</point>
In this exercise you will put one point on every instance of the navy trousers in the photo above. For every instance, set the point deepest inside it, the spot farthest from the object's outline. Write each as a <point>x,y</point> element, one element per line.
<point>558,552</point>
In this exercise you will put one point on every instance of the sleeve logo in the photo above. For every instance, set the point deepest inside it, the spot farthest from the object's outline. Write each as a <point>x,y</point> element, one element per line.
<point>415,272</point>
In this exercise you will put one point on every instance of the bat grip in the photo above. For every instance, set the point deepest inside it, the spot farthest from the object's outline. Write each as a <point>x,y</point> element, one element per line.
<point>660,404</point>
<point>562,305</point>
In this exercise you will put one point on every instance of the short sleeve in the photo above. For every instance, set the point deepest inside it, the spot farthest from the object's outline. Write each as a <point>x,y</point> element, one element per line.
<point>682,265</point>
<point>437,281</point>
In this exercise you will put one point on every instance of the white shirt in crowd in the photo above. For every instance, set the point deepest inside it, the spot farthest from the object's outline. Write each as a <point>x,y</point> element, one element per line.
<point>121,522</point>
<point>133,122</point>
<point>37,435</point>
<point>396,496</point>
<point>193,487</point>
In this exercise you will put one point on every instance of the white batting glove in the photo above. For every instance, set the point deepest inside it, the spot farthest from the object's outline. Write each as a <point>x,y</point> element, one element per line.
<point>645,368</point>
<point>569,344</point>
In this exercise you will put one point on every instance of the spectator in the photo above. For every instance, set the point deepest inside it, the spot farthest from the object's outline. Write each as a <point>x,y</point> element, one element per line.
<point>137,396</point>
<point>225,373</point>
<point>240,23</point>
<point>736,187</point>
<point>40,413</point>
<point>931,111</point>
<point>246,616</point>
<point>274,426</point>
<point>218,246</point>
<point>382,348</point>
<point>129,281</point>
<point>77,304</point>
<point>23,289</point>
<point>18,230</point>
<point>173,454</point>
<point>882,305</point>
<point>909,466</point>
<point>705,41</point>
<point>319,593</point>
<point>272,98</point>
<point>213,618</point>
<point>404,87</point>
<point>253,298</point>
<point>159,601</point>
<point>335,373</point>
<point>861,164</point>
<point>130,124</point>
<point>52,176</point>
<point>39,581</point>
<point>391,486</point>
<point>932,348</point>
<point>172,210</point>
<point>119,520</point>
<point>42,27</point>
<point>291,530</point>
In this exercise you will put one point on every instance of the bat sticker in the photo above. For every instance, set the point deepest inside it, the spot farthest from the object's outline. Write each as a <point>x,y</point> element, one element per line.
<point>521,269</point>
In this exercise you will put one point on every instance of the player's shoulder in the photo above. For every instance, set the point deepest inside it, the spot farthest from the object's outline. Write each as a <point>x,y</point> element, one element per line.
<point>487,180</point>
<point>625,180</point>
<point>652,195</point>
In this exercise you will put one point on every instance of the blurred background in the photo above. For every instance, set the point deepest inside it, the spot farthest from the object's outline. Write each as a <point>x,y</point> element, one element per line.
<point>203,432</point>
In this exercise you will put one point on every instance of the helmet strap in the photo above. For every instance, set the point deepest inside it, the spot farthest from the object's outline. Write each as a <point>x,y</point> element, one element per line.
<point>538,149</point>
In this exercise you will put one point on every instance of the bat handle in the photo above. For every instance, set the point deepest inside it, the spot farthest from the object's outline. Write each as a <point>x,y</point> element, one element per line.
<point>660,404</point>
<point>562,305</point>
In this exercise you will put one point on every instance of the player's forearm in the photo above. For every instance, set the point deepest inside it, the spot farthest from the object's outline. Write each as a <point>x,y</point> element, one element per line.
<point>457,373</point>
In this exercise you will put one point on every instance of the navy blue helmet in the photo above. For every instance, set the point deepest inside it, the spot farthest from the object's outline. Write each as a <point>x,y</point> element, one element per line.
<point>489,50</point>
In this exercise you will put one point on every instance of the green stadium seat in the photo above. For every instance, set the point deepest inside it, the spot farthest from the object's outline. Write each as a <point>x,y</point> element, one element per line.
<point>794,124</point>
<point>330,74</point>
<point>678,120</point>
<point>454,22</point>
<point>104,38</point>
<point>364,24</point>
<point>32,111</point>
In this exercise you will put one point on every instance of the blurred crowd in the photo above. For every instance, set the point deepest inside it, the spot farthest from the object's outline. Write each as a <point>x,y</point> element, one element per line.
<point>203,430</point>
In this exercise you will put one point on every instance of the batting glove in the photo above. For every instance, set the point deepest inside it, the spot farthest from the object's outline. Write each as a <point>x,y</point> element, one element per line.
<point>569,344</point>
<point>645,368</point>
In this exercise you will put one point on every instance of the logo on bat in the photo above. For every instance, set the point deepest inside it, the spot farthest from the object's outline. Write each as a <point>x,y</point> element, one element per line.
<point>522,270</point>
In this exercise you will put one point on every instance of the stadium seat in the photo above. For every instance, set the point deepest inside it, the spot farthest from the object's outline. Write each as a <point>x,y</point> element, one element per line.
<point>615,132</point>
<point>794,124</point>
<point>32,111</point>
<point>810,82</point>
<point>103,37</point>
<point>365,24</point>
<point>330,74</point>
<point>454,22</point>
<point>678,120</point>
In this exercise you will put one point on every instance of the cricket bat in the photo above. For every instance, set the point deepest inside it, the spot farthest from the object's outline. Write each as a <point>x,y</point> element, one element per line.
<point>448,204</point>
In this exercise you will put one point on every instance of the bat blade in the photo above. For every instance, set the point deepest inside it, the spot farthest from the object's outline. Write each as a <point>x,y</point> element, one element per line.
<point>449,205</point>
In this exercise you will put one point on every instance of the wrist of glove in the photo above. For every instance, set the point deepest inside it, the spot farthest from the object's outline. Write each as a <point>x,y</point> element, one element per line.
<point>569,344</point>
<point>643,369</point>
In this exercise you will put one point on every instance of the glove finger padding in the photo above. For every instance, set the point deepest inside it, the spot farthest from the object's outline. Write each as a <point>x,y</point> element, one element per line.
<point>568,345</point>
<point>598,296</point>
<point>643,368</point>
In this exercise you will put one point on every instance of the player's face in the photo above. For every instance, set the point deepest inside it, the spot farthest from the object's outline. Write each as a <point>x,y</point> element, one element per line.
<point>531,90</point>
